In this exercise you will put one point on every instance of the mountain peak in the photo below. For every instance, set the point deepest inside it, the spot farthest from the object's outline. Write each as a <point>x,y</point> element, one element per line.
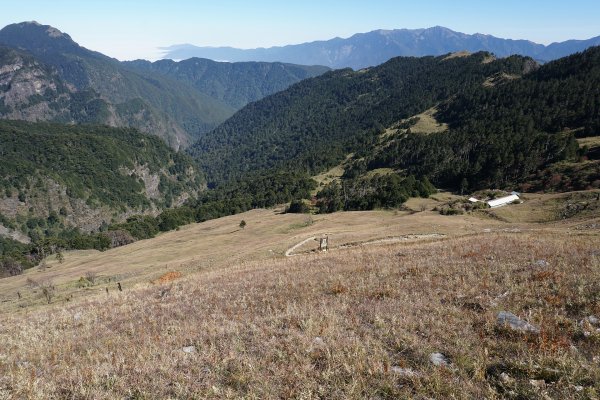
<point>440,28</point>
<point>40,39</point>
<point>35,37</point>
<point>53,32</point>
<point>35,28</point>
<point>363,50</point>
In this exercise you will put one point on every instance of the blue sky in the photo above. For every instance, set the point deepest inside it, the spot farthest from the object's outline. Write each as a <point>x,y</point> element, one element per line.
<point>128,29</point>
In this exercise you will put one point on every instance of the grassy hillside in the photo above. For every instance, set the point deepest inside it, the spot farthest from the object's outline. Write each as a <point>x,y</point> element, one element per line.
<point>357,322</point>
<point>220,243</point>
<point>268,234</point>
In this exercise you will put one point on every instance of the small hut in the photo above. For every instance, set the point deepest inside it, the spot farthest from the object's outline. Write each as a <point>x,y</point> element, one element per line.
<point>502,201</point>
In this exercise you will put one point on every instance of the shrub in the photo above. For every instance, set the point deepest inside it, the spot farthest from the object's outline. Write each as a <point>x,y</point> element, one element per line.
<point>172,219</point>
<point>10,267</point>
<point>298,207</point>
<point>139,226</point>
<point>119,237</point>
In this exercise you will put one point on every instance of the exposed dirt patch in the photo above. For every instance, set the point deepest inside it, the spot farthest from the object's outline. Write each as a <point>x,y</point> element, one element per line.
<point>458,54</point>
<point>168,277</point>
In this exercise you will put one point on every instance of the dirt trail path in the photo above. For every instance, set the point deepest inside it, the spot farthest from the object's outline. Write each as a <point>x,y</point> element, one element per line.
<point>289,251</point>
<point>395,239</point>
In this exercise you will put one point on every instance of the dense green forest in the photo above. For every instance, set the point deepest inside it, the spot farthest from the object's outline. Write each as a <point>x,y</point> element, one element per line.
<point>507,119</point>
<point>317,122</point>
<point>499,136</point>
<point>91,161</point>
<point>95,165</point>
<point>372,192</point>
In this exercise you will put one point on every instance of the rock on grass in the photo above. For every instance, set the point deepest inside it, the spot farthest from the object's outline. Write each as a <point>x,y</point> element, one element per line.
<point>510,320</point>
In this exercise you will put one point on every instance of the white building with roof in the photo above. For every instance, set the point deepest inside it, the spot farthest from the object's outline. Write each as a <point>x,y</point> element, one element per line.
<point>502,201</point>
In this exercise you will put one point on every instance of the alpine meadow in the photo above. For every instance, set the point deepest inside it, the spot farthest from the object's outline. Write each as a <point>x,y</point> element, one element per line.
<point>402,213</point>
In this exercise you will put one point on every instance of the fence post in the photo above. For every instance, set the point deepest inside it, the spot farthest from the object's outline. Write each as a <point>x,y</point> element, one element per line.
<point>323,243</point>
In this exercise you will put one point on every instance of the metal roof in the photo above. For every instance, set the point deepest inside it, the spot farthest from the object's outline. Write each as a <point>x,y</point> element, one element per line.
<point>502,200</point>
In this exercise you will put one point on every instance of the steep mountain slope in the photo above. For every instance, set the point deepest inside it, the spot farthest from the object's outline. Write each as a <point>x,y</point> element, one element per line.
<point>176,101</point>
<point>179,111</point>
<point>86,176</point>
<point>373,48</point>
<point>236,84</point>
<point>31,90</point>
<point>28,89</point>
<point>317,122</point>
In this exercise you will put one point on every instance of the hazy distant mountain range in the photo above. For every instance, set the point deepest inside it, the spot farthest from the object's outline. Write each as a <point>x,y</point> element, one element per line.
<point>373,48</point>
<point>235,84</point>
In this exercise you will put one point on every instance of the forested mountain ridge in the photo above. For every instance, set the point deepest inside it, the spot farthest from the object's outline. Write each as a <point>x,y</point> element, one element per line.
<point>177,104</point>
<point>179,112</point>
<point>501,134</point>
<point>236,84</point>
<point>373,48</point>
<point>23,81</point>
<point>314,124</point>
<point>506,120</point>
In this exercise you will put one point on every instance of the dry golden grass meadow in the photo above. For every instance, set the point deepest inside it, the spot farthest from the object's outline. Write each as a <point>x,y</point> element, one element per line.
<point>218,312</point>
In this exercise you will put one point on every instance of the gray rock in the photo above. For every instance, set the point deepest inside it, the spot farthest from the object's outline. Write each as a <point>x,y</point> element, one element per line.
<point>538,383</point>
<point>405,372</point>
<point>439,359</point>
<point>542,263</point>
<point>189,349</point>
<point>318,346</point>
<point>592,319</point>
<point>506,378</point>
<point>508,319</point>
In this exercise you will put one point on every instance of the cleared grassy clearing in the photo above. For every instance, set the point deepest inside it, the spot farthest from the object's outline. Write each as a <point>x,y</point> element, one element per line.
<point>427,123</point>
<point>327,177</point>
<point>458,54</point>
<point>546,208</point>
<point>591,142</point>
